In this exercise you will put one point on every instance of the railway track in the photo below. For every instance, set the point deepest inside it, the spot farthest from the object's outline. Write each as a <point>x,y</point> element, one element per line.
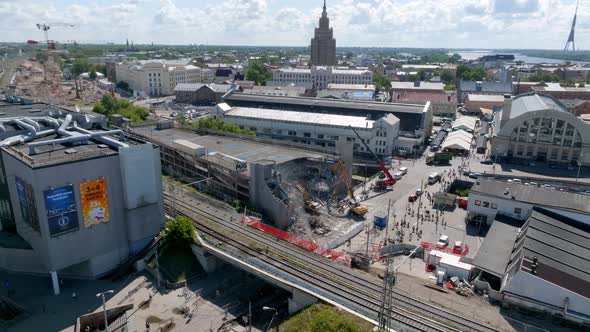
<point>364,296</point>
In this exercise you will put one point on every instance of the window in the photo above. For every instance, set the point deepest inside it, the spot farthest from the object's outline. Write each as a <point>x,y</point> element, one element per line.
<point>517,210</point>
<point>292,133</point>
<point>306,134</point>
<point>494,206</point>
<point>253,128</point>
<point>279,132</point>
<point>321,136</point>
<point>477,202</point>
<point>486,204</point>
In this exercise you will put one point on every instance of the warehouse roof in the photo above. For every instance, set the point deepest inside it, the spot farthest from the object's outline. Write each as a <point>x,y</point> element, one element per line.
<point>479,86</point>
<point>334,86</point>
<point>533,195</point>
<point>494,254</point>
<point>320,102</point>
<point>417,86</point>
<point>534,102</point>
<point>562,247</point>
<point>486,98</point>
<point>301,117</point>
<point>188,87</point>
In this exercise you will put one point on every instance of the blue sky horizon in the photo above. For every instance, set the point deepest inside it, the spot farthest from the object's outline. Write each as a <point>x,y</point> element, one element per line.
<point>472,24</point>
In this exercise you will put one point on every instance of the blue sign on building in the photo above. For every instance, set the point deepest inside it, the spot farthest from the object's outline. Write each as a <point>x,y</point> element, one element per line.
<point>62,214</point>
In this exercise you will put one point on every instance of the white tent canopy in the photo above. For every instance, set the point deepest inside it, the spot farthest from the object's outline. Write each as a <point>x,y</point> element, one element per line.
<point>458,140</point>
<point>464,123</point>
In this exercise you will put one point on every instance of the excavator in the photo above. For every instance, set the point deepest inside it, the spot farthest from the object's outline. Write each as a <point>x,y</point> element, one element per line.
<point>356,208</point>
<point>308,203</point>
<point>381,184</point>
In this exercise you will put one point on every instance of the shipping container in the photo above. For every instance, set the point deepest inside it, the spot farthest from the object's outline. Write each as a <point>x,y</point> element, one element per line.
<point>190,148</point>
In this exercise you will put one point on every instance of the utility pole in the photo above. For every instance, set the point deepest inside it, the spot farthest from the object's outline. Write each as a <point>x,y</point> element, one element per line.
<point>387,222</point>
<point>387,297</point>
<point>368,237</point>
<point>104,308</point>
<point>249,316</point>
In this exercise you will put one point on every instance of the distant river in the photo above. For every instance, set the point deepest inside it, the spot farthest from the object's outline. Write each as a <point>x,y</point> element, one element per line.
<point>472,55</point>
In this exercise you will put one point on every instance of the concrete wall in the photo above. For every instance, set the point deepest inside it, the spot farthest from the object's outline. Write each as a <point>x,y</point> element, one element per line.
<point>262,197</point>
<point>530,286</point>
<point>94,250</point>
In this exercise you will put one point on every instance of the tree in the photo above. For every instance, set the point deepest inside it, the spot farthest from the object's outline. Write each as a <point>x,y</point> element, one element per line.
<point>471,73</point>
<point>92,74</point>
<point>544,77</point>
<point>179,232</point>
<point>446,76</point>
<point>81,66</point>
<point>582,85</point>
<point>258,73</point>
<point>421,75</point>
<point>381,82</point>
<point>181,119</point>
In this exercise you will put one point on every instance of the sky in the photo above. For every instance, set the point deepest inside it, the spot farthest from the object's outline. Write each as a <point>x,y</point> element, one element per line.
<point>540,24</point>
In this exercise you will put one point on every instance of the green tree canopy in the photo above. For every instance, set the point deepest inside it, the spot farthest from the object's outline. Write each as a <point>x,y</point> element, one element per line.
<point>109,105</point>
<point>381,82</point>
<point>219,124</point>
<point>258,73</point>
<point>466,73</point>
<point>446,76</point>
<point>544,77</point>
<point>179,231</point>
<point>92,74</point>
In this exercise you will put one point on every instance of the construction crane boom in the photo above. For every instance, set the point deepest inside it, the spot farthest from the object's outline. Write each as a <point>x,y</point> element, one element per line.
<point>46,26</point>
<point>390,180</point>
<point>357,208</point>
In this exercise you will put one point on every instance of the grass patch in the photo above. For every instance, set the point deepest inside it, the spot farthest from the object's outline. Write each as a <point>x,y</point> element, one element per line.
<point>177,264</point>
<point>324,318</point>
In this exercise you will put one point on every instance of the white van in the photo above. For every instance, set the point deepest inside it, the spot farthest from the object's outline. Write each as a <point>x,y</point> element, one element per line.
<point>398,175</point>
<point>433,178</point>
<point>403,170</point>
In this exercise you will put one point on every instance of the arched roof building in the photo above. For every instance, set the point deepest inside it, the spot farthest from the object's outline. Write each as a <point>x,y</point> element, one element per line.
<point>539,127</point>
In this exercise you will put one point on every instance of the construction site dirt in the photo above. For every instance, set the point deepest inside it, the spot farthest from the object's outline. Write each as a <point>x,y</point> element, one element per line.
<point>43,83</point>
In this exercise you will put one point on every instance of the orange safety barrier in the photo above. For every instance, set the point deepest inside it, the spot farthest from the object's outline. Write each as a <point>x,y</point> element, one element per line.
<point>307,245</point>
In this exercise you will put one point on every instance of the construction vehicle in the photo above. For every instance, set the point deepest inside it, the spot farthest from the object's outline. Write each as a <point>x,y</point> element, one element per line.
<point>356,208</point>
<point>438,158</point>
<point>381,184</point>
<point>308,203</point>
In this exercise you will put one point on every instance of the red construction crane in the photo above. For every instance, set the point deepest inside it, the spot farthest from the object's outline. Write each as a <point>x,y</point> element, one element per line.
<point>380,184</point>
<point>46,26</point>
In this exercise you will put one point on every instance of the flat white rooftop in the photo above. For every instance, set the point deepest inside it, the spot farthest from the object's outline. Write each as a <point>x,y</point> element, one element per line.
<point>301,117</point>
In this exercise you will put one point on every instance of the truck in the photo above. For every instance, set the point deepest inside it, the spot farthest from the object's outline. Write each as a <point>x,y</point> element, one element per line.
<point>439,158</point>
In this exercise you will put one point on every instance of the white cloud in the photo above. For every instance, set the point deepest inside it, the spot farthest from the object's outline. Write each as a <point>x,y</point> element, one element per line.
<point>415,23</point>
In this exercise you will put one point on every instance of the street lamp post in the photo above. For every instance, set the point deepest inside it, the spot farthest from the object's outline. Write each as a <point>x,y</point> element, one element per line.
<point>273,316</point>
<point>104,308</point>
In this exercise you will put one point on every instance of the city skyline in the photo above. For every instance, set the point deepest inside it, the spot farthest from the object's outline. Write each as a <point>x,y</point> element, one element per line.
<point>534,24</point>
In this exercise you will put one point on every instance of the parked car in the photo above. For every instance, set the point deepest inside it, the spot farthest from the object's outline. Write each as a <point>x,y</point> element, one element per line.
<point>487,162</point>
<point>412,198</point>
<point>474,175</point>
<point>419,192</point>
<point>443,241</point>
<point>517,180</point>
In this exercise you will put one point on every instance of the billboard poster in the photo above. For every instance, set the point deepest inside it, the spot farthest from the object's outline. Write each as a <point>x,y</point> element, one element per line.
<point>26,200</point>
<point>62,215</point>
<point>95,202</point>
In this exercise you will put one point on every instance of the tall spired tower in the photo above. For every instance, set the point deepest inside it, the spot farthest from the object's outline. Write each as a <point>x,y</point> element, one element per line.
<point>570,39</point>
<point>323,44</point>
